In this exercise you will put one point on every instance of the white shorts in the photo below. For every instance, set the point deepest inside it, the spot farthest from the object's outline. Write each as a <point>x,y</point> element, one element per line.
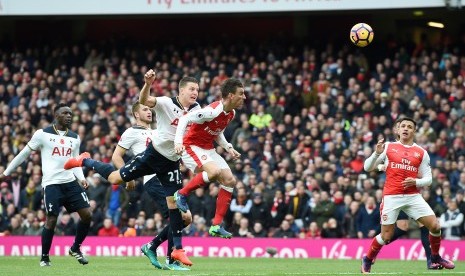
<point>413,205</point>
<point>195,157</point>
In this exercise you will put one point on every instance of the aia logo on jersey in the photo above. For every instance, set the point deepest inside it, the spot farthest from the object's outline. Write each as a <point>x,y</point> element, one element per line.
<point>61,151</point>
<point>62,141</point>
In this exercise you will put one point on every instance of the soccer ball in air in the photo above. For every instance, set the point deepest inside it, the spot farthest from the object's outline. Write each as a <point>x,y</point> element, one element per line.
<point>361,34</point>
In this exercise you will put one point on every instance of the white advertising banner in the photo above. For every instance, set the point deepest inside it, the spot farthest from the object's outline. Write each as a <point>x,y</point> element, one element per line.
<point>112,7</point>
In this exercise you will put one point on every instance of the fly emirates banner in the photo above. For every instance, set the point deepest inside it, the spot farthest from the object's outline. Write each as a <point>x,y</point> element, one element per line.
<point>106,7</point>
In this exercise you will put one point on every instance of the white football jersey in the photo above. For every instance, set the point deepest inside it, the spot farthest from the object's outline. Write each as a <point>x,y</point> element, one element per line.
<point>135,140</point>
<point>55,150</point>
<point>168,111</point>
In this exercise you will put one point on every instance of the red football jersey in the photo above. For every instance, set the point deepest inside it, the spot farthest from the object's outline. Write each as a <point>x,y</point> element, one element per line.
<point>207,124</point>
<point>401,162</point>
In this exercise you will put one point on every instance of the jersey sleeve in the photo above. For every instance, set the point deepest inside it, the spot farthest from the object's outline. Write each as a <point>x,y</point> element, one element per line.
<point>127,139</point>
<point>198,117</point>
<point>161,103</point>
<point>36,141</point>
<point>374,160</point>
<point>424,171</point>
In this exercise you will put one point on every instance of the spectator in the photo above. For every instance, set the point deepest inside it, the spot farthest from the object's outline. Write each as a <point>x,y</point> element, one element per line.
<point>130,229</point>
<point>6,197</point>
<point>259,212</point>
<point>278,208</point>
<point>197,204</point>
<point>116,200</point>
<point>149,229</point>
<point>108,229</point>
<point>350,223</point>
<point>15,228</point>
<point>241,203</point>
<point>243,231</point>
<point>284,231</point>
<point>34,229</point>
<point>97,190</point>
<point>65,226</point>
<point>199,227</point>
<point>313,231</point>
<point>299,206</point>
<point>368,219</point>
<point>459,198</point>
<point>260,119</point>
<point>324,209</point>
<point>97,218</point>
<point>331,229</point>
<point>31,196</point>
<point>451,222</point>
<point>258,231</point>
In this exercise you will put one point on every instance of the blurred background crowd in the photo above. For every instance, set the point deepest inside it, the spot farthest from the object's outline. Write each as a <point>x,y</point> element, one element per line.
<point>313,114</point>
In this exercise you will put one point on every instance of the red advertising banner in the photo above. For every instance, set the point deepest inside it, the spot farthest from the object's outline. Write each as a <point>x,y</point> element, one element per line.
<point>237,247</point>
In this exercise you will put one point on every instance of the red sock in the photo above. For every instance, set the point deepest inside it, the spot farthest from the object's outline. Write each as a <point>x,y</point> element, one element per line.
<point>222,205</point>
<point>195,183</point>
<point>374,249</point>
<point>435,244</point>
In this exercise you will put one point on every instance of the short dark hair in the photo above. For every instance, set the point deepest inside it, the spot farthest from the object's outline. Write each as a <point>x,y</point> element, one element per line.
<point>58,106</point>
<point>410,120</point>
<point>183,82</point>
<point>398,120</point>
<point>135,108</point>
<point>230,86</point>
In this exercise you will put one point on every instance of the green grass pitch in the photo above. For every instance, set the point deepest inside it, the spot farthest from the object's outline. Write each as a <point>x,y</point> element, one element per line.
<point>214,266</point>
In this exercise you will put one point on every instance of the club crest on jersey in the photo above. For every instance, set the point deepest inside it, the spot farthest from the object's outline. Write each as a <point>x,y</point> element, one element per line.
<point>416,154</point>
<point>200,115</point>
<point>204,157</point>
<point>52,139</point>
<point>385,217</point>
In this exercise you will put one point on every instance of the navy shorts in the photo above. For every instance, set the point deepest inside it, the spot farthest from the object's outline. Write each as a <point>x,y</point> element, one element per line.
<point>402,216</point>
<point>156,191</point>
<point>149,162</point>
<point>70,195</point>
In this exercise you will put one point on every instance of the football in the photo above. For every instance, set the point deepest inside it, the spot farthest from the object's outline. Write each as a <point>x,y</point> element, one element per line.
<point>361,34</point>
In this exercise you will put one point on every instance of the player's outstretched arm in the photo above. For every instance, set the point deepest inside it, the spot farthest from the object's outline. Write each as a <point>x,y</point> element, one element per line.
<point>221,140</point>
<point>144,95</point>
<point>376,158</point>
<point>22,155</point>
<point>117,157</point>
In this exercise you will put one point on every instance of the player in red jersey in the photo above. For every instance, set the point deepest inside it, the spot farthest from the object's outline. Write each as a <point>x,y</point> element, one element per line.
<point>402,223</point>
<point>407,168</point>
<point>198,151</point>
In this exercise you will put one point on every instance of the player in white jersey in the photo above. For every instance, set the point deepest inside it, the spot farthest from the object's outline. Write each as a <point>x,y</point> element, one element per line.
<point>407,168</point>
<point>159,157</point>
<point>135,140</point>
<point>57,144</point>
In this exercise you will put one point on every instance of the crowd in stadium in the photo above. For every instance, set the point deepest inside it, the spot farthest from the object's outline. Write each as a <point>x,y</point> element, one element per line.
<point>312,117</point>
